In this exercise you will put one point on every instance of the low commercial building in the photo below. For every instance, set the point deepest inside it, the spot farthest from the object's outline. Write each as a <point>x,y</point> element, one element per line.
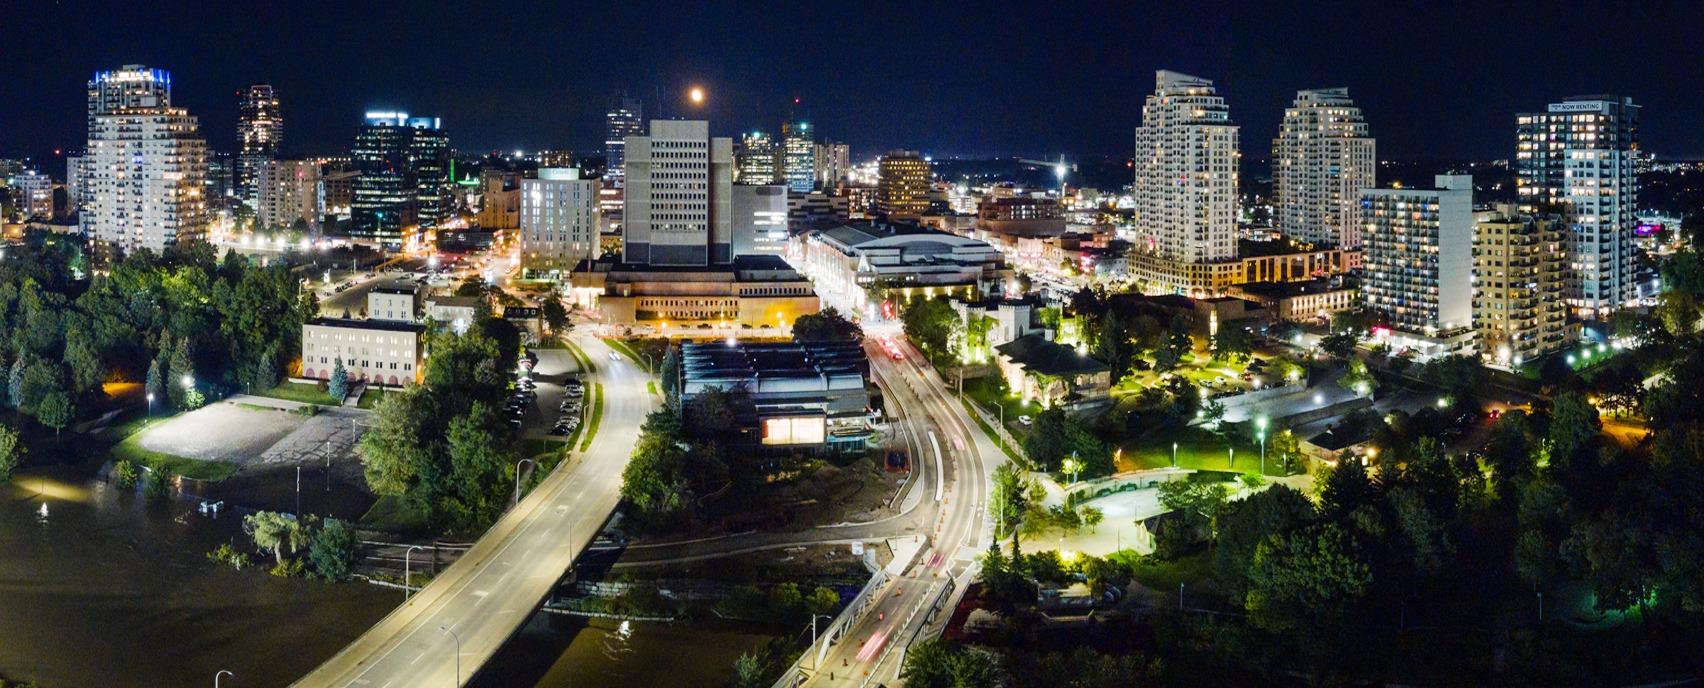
<point>902,259</point>
<point>790,395</point>
<point>398,300</point>
<point>455,311</point>
<point>753,291</point>
<point>378,352</point>
<point>1053,374</point>
<point>1025,216</point>
<point>1257,261</point>
<point>1314,300</point>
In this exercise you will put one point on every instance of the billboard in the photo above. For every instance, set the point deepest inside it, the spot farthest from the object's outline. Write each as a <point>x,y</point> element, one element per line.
<point>786,430</point>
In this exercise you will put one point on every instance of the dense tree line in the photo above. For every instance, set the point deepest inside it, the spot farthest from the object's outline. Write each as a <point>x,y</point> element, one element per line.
<point>227,325</point>
<point>441,445</point>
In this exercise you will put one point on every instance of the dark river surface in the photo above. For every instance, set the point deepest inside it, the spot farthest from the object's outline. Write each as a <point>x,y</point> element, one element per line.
<point>110,588</point>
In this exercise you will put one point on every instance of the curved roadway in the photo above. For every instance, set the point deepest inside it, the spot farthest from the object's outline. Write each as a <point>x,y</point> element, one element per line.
<point>459,620</point>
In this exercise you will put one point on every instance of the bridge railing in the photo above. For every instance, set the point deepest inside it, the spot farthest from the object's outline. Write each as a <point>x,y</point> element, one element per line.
<point>855,610</point>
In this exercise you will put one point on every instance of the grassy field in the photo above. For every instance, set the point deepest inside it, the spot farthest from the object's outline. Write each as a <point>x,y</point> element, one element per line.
<point>1011,452</point>
<point>986,392</point>
<point>370,398</point>
<point>302,392</point>
<point>591,426</point>
<point>130,449</point>
<point>393,515</point>
<point>1197,449</point>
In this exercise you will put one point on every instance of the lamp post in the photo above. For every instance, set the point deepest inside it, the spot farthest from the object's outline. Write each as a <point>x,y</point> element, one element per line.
<point>222,673</point>
<point>1261,423</point>
<point>518,478</point>
<point>407,592</point>
<point>150,420</point>
<point>814,618</point>
<point>453,636</point>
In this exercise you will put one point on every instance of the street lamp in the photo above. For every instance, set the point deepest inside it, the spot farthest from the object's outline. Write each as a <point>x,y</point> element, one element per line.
<point>518,478</point>
<point>814,618</point>
<point>457,638</point>
<point>187,381</point>
<point>1174,455</point>
<point>150,420</point>
<point>1261,423</point>
<point>407,592</point>
<point>222,673</point>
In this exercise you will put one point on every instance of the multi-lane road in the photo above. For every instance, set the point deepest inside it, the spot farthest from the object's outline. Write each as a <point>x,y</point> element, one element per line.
<point>945,443</point>
<point>458,621</point>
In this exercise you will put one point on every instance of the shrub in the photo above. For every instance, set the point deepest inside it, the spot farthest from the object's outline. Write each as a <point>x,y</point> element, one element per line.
<point>124,474</point>
<point>159,483</point>
<point>228,555</point>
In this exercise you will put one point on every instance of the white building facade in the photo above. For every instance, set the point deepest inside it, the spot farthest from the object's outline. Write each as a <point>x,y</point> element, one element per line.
<point>378,352</point>
<point>1186,172</point>
<point>559,220</point>
<point>1418,263</point>
<point>147,172</point>
<point>1321,160</point>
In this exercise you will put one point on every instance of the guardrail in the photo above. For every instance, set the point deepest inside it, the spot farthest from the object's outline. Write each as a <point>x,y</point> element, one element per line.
<point>795,675</point>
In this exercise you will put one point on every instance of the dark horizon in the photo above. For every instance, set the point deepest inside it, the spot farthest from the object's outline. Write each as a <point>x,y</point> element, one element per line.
<point>1002,80</point>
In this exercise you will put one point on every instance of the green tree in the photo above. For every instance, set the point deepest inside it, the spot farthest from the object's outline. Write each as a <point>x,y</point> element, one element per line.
<point>1114,345</point>
<point>935,664</point>
<point>1340,344</point>
<point>749,671</point>
<point>654,481</point>
<point>1232,343</point>
<point>554,313</point>
<point>1305,580</point>
<point>931,324</point>
<point>55,410</point>
<point>153,388</point>
<point>828,325</point>
<point>1194,511</point>
<point>1246,523</point>
<point>823,601</point>
<point>395,454</point>
<point>477,490</point>
<point>15,384</point>
<point>11,452</point>
<point>1574,430</point>
<point>1286,448</point>
<point>331,552</point>
<point>181,374</point>
<point>278,532</point>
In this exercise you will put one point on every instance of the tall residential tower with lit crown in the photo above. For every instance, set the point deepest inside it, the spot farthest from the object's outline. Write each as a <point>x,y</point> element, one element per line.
<point>1321,161</point>
<point>1186,172</point>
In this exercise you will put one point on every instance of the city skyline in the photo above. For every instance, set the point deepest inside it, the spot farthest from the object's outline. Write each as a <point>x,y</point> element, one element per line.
<point>1069,84</point>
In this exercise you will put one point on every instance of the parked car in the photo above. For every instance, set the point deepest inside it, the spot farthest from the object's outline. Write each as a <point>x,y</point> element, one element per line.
<point>1025,420</point>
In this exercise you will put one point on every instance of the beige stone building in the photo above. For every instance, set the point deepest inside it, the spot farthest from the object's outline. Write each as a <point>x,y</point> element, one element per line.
<point>1519,296</point>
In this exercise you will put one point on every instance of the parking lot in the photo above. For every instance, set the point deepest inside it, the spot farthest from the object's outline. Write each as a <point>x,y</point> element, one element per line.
<point>555,379</point>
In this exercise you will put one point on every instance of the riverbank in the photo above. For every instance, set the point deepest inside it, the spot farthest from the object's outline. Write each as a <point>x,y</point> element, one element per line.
<point>109,584</point>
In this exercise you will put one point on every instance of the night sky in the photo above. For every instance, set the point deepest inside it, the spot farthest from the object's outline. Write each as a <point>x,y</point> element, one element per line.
<point>1439,81</point>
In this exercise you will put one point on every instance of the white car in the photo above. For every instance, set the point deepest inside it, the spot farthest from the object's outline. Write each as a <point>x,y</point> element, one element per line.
<point>613,356</point>
<point>1025,420</point>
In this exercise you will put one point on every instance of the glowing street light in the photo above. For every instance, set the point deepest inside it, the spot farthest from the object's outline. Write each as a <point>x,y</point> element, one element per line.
<point>187,381</point>
<point>696,95</point>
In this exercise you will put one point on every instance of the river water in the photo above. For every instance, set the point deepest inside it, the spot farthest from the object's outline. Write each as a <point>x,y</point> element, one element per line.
<point>110,588</point>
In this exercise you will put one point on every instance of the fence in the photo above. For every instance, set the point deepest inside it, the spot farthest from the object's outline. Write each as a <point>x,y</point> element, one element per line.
<point>795,675</point>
